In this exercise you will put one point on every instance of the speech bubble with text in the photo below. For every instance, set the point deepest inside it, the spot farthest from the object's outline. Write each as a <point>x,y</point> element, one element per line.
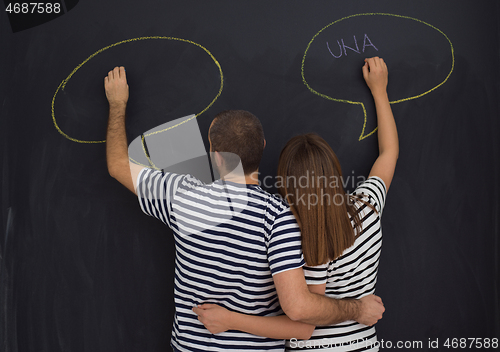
<point>419,56</point>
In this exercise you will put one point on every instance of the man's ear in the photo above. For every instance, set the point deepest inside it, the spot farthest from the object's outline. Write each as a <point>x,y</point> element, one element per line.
<point>264,144</point>
<point>218,160</point>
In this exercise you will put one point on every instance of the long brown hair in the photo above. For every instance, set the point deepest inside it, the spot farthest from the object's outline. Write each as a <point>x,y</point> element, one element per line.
<point>310,179</point>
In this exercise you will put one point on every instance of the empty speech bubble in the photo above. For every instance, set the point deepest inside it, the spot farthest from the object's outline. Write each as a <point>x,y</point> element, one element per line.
<point>180,59</point>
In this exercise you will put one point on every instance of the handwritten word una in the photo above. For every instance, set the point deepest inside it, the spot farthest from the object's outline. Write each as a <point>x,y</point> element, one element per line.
<point>343,48</point>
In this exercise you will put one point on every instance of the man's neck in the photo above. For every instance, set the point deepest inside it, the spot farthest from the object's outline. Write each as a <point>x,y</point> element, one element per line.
<point>249,179</point>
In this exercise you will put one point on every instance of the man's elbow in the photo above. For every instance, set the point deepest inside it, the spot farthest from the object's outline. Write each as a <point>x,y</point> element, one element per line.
<point>113,171</point>
<point>118,169</point>
<point>299,308</point>
<point>122,175</point>
<point>296,313</point>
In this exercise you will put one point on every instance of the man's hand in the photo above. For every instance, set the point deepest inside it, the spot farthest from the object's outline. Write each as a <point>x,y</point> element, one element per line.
<point>214,317</point>
<point>371,310</point>
<point>115,84</point>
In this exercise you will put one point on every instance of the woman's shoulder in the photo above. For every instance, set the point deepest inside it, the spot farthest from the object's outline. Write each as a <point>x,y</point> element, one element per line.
<point>373,191</point>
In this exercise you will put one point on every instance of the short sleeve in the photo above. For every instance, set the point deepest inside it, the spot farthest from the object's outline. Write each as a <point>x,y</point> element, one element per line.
<point>316,275</point>
<point>374,189</point>
<point>285,247</point>
<point>155,190</point>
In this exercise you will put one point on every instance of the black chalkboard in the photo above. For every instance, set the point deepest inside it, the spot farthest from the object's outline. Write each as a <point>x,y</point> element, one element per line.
<point>82,269</point>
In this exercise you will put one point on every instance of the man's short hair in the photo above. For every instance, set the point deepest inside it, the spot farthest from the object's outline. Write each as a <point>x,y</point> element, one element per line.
<point>239,132</point>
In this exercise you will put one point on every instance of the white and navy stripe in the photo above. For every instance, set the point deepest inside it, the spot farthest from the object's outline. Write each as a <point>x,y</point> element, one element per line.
<point>230,241</point>
<point>352,275</point>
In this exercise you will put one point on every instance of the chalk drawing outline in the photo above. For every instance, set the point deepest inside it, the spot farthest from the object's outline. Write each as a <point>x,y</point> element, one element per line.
<point>62,85</point>
<point>363,136</point>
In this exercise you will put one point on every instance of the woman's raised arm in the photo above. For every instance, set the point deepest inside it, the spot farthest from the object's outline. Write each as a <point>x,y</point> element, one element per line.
<point>376,76</point>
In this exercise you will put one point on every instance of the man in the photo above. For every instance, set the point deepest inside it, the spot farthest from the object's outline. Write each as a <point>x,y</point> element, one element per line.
<point>236,245</point>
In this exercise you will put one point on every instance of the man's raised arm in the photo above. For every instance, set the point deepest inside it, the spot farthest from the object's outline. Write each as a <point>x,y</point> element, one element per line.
<point>300,304</point>
<point>115,84</point>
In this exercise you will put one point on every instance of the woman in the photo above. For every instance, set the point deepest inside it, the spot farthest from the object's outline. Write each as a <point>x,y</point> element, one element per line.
<point>341,236</point>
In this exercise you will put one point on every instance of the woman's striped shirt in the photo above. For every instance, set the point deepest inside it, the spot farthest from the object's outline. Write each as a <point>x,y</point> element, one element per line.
<point>352,275</point>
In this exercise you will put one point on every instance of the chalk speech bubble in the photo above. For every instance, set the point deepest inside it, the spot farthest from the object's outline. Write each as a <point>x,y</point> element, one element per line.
<point>419,57</point>
<point>63,84</point>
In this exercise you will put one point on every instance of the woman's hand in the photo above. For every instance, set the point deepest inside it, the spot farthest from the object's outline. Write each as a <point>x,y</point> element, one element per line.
<point>376,75</point>
<point>215,318</point>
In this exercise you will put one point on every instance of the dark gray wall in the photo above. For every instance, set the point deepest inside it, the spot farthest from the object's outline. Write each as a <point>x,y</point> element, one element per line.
<point>82,269</point>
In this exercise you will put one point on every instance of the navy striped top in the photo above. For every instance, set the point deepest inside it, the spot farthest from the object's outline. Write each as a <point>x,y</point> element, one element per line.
<point>351,275</point>
<point>230,240</point>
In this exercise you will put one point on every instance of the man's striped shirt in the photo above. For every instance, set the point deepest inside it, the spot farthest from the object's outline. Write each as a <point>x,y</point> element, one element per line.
<point>352,275</point>
<point>230,240</point>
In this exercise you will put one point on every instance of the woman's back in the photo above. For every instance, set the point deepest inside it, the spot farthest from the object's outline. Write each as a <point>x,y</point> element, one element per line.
<point>352,275</point>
